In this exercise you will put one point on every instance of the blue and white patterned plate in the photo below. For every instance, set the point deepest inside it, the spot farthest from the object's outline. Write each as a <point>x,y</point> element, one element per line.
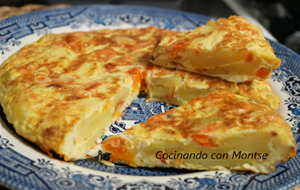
<point>23,166</point>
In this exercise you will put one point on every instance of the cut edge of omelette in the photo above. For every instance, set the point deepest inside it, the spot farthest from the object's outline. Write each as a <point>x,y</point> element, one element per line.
<point>74,133</point>
<point>233,49</point>
<point>178,87</point>
<point>243,134</point>
<point>81,139</point>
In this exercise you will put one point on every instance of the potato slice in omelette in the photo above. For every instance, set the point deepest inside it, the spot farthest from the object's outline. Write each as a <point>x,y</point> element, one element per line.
<point>221,131</point>
<point>232,49</point>
<point>178,87</point>
<point>69,115</point>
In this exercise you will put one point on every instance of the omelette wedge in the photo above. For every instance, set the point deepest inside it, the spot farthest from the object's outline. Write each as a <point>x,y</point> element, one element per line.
<point>232,49</point>
<point>178,87</point>
<point>221,131</point>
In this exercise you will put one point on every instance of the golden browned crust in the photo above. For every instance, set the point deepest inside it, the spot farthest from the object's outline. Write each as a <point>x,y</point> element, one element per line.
<point>233,49</point>
<point>210,124</point>
<point>228,109</point>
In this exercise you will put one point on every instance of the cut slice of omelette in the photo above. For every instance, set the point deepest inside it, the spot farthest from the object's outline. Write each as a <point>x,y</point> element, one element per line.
<point>221,131</point>
<point>178,87</point>
<point>232,49</point>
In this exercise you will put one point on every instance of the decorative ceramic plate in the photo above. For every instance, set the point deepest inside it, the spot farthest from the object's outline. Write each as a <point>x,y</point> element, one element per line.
<point>23,166</point>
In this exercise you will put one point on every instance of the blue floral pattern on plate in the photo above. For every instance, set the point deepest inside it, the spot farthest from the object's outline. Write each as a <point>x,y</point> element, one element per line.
<point>33,170</point>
